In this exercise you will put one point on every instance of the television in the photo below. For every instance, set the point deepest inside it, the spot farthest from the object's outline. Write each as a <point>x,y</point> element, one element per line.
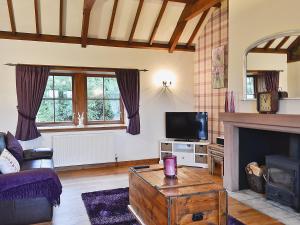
<point>192,126</point>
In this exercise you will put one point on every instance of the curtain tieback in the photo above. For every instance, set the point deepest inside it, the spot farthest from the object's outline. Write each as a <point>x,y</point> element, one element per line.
<point>26,117</point>
<point>133,115</point>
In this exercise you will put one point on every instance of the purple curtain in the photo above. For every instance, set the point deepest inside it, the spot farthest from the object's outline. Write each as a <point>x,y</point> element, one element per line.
<point>31,82</point>
<point>272,81</point>
<point>129,85</point>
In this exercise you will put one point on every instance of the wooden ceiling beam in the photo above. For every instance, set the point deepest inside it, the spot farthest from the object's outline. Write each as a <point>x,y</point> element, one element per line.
<point>282,42</point>
<point>160,15</point>
<point>296,59</point>
<point>37,17</point>
<point>87,7</point>
<point>197,28</point>
<point>61,17</point>
<point>90,41</point>
<point>112,19</point>
<point>181,1</point>
<point>199,6</point>
<point>11,16</point>
<point>269,50</point>
<point>293,51</point>
<point>294,44</point>
<point>189,9</point>
<point>138,13</point>
<point>178,30</point>
<point>269,43</point>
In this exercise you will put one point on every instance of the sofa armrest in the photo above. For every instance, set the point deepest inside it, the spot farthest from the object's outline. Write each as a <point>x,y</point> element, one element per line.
<point>38,153</point>
<point>31,184</point>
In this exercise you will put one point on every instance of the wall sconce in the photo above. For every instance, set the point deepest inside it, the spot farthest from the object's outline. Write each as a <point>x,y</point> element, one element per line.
<point>166,84</point>
<point>164,78</point>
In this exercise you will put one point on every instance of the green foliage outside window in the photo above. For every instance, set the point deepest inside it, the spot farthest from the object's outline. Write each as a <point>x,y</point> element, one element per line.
<point>103,99</point>
<point>57,101</point>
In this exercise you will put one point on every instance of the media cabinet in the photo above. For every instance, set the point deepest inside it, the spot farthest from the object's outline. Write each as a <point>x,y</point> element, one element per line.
<point>188,153</point>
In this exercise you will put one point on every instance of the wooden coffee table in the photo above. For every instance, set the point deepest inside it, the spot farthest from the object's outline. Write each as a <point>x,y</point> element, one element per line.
<point>190,199</point>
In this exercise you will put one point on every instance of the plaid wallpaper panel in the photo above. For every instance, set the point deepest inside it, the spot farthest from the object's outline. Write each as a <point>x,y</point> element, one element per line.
<point>210,100</point>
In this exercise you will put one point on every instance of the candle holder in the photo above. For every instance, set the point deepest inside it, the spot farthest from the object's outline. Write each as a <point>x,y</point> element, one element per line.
<point>170,166</point>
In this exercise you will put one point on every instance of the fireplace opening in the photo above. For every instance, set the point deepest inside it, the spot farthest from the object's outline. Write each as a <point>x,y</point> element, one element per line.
<point>255,145</point>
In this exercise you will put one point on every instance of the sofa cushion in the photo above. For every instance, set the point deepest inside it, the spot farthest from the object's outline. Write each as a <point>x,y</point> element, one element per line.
<point>37,164</point>
<point>8,163</point>
<point>14,147</point>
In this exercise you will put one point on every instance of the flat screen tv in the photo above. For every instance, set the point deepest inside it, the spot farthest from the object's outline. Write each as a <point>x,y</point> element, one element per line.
<point>187,125</point>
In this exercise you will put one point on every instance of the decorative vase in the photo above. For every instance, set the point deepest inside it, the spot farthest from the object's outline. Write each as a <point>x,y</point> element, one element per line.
<point>226,102</point>
<point>80,120</point>
<point>170,166</point>
<point>232,105</point>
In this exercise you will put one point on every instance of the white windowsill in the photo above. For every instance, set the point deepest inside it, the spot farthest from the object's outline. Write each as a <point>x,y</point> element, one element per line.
<point>52,129</point>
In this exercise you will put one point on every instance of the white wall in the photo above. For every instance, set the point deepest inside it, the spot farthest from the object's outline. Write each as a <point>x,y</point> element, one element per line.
<point>250,21</point>
<point>294,78</point>
<point>153,103</point>
<point>268,61</point>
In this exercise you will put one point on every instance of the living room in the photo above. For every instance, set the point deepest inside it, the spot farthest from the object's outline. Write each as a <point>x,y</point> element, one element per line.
<point>167,46</point>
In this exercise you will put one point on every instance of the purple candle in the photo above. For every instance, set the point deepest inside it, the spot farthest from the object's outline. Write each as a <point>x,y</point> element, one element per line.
<point>170,166</point>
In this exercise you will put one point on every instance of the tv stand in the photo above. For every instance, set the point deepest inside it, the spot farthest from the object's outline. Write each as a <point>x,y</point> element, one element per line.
<point>189,153</point>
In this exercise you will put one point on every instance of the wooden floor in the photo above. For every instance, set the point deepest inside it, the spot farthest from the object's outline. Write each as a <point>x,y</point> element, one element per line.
<point>72,210</point>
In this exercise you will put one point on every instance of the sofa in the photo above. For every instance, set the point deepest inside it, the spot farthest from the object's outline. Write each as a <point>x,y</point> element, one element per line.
<point>33,210</point>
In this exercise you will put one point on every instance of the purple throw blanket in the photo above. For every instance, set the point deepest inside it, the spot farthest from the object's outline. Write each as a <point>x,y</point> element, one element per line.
<point>31,184</point>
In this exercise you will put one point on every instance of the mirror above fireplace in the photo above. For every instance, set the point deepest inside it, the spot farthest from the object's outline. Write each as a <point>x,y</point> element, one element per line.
<point>277,54</point>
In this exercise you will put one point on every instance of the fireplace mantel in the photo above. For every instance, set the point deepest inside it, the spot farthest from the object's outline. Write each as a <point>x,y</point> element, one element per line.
<point>275,122</point>
<point>234,121</point>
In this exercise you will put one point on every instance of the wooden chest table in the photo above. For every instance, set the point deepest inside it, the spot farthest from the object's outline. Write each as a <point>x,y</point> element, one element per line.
<point>191,199</point>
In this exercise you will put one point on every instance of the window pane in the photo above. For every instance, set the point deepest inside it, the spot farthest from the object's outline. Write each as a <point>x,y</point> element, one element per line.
<point>112,110</point>
<point>49,88</point>
<point>94,87</point>
<point>46,112</point>
<point>95,110</point>
<point>63,87</point>
<point>111,89</point>
<point>250,87</point>
<point>63,110</point>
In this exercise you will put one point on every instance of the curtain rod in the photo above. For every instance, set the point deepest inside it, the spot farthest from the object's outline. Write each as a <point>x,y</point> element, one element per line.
<point>74,67</point>
<point>253,71</point>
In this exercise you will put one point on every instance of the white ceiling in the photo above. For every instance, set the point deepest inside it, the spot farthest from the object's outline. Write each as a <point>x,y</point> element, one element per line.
<point>100,19</point>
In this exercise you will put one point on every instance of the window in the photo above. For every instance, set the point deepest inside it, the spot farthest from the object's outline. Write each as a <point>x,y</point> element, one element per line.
<point>250,87</point>
<point>57,104</point>
<point>103,99</point>
<point>97,96</point>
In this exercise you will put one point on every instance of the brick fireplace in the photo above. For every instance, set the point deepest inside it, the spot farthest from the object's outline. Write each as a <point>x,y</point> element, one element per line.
<point>251,137</point>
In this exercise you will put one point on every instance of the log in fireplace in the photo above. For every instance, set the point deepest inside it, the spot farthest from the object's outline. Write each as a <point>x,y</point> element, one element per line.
<point>283,180</point>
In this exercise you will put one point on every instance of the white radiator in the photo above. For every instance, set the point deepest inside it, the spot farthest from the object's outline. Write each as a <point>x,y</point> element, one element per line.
<point>82,149</point>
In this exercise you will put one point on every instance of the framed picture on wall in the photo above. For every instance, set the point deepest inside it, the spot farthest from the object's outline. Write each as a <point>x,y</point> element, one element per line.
<point>218,67</point>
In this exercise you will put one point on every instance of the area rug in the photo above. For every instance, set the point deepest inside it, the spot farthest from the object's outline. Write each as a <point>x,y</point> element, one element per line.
<point>110,208</point>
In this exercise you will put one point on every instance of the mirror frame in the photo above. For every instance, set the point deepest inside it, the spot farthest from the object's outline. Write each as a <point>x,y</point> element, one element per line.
<point>255,44</point>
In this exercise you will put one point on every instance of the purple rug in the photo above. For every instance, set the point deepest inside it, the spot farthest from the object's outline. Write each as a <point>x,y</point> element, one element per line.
<point>110,208</point>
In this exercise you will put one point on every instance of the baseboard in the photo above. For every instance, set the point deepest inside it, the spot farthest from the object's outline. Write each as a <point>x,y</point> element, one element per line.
<point>110,164</point>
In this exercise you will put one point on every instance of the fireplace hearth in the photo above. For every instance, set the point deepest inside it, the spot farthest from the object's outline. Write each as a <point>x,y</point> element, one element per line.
<point>283,180</point>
